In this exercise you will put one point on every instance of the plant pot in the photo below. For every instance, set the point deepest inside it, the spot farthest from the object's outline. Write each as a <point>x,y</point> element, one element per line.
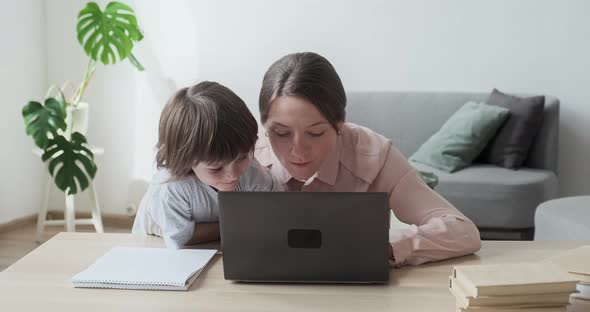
<point>80,115</point>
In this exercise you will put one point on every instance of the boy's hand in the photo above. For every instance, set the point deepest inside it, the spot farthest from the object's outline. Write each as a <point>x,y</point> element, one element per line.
<point>205,232</point>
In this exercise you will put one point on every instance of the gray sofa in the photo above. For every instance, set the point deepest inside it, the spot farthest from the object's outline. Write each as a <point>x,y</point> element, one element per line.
<point>501,202</point>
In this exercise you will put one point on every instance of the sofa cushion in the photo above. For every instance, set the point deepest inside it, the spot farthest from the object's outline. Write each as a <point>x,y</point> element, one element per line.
<point>410,118</point>
<point>462,138</point>
<point>510,146</point>
<point>495,197</point>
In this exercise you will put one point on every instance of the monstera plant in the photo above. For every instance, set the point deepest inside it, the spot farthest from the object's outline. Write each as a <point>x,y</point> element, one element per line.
<point>107,37</point>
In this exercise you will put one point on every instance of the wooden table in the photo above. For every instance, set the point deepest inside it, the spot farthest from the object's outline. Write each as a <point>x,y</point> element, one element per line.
<point>41,281</point>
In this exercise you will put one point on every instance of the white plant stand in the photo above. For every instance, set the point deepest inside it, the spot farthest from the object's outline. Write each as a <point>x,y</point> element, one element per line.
<point>69,220</point>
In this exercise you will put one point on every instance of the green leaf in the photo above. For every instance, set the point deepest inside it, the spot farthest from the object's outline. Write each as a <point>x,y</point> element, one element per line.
<point>71,163</point>
<point>43,120</point>
<point>102,33</point>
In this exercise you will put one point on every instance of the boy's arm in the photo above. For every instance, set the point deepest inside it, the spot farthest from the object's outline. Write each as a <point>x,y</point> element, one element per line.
<point>205,232</point>
<point>175,216</point>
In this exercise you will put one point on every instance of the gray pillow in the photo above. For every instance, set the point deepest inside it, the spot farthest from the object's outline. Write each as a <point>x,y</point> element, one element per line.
<point>462,137</point>
<point>510,147</point>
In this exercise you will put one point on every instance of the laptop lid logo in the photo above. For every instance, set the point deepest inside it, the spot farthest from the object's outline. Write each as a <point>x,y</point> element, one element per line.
<point>302,238</point>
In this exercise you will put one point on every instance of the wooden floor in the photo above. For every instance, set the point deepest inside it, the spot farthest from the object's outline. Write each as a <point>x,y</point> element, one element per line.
<point>17,243</point>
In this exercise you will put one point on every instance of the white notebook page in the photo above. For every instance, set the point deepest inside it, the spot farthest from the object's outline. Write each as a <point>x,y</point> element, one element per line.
<point>150,267</point>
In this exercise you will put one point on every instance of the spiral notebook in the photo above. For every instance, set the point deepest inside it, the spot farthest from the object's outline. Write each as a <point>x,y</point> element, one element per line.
<point>145,268</point>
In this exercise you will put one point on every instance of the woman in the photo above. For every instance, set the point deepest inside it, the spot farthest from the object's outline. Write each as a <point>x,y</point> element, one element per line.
<point>309,147</point>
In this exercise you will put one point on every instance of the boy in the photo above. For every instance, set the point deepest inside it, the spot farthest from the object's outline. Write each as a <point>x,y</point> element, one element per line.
<point>206,139</point>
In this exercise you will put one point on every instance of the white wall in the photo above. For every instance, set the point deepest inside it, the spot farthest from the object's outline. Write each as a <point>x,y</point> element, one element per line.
<point>23,76</point>
<point>124,103</point>
<point>111,96</point>
<point>527,46</point>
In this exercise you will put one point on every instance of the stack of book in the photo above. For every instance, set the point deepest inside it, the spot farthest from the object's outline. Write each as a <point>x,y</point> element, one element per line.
<point>577,263</point>
<point>522,287</point>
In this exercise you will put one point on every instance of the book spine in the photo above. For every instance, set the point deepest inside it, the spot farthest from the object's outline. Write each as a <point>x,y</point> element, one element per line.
<point>528,289</point>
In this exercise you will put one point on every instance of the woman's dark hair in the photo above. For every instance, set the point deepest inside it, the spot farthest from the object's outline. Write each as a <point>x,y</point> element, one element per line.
<point>307,75</point>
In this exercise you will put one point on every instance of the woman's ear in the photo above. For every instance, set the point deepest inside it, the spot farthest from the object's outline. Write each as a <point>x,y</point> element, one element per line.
<point>263,129</point>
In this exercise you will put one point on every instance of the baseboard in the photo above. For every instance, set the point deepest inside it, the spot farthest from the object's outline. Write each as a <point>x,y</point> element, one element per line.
<point>113,219</point>
<point>17,223</point>
<point>110,219</point>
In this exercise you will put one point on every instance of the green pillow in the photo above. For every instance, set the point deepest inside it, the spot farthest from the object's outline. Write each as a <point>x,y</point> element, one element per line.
<point>462,138</point>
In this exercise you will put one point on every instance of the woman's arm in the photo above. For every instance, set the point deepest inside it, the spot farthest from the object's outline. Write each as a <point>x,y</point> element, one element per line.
<point>437,229</point>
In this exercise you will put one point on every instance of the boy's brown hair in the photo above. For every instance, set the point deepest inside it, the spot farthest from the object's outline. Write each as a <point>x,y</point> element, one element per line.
<point>204,123</point>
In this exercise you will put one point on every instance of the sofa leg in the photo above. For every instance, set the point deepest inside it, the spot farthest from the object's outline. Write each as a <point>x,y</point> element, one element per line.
<point>506,234</point>
<point>528,234</point>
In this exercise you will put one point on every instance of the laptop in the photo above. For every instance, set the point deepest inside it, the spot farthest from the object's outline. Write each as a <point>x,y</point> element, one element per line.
<point>327,237</point>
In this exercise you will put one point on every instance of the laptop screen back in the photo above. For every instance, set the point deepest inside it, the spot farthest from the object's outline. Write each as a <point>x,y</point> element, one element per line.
<point>305,236</point>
